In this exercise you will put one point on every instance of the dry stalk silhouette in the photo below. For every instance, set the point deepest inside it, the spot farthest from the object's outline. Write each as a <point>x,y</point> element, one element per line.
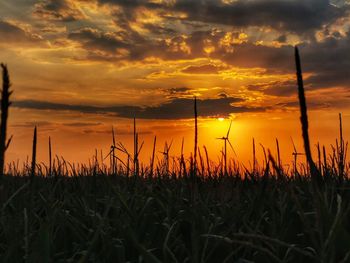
<point>315,174</point>
<point>34,153</point>
<point>5,105</point>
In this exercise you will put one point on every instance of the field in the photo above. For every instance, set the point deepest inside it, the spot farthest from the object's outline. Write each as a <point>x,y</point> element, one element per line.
<point>185,211</point>
<point>264,217</point>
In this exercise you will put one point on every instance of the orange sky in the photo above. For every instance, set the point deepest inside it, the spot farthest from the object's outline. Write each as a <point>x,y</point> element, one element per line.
<point>79,67</point>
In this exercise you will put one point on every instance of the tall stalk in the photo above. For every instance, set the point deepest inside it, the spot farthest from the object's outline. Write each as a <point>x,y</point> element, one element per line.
<point>114,159</point>
<point>135,150</point>
<point>195,137</point>
<point>50,157</point>
<point>207,159</point>
<point>34,153</point>
<point>5,105</point>
<point>153,155</point>
<point>303,118</point>
<point>279,162</point>
<point>182,159</point>
<point>254,157</point>
<point>341,154</point>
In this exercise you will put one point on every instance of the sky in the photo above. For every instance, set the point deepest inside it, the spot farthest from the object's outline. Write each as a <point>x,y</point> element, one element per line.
<point>79,67</point>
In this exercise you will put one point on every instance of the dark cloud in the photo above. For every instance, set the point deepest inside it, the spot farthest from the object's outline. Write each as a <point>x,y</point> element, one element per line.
<point>223,95</point>
<point>314,105</point>
<point>282,39</point>
<point>203,69</point>
<point>328,61</point>
<point>93,39</point>
<point>119,132</point>
<point>128,45</point>
<point>178,90</point>
<point>94,131</point>
<point>30,124</point>
<point>158,29</point>
<point>326,64</point>
<point>13,34</point>
<point>81,124</point>
<point>57,10</point>
<point>276,88</point>
<point>249,55</point>
<point>181,108</point>
<point>297,16</point>
<point>44,105</point>
<point>135,47</point>
<point>119,45</point>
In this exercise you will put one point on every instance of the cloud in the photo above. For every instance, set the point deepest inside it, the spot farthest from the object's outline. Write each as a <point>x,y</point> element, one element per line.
<point>328,61</point>
<point>58,10</point>
<point>81,124</point>
<point>123,36</point>
<point>11,33</point>
<point>314,105</point>
<point>282,39</point>
<point>296,16</point>
<point>282,88</point>
<point>203,69</point>
<point>94,39</point>
<point>181,108</point>
<point>178,92</point>
<point>325,63</point>
<point>250,55</point>
<point>30,124</point>
<point>119,132</point>
<point>158,29</point>
<point>129,45</point>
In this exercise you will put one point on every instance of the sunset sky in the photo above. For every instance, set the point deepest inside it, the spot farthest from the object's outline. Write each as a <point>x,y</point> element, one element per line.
<point>80,66</point>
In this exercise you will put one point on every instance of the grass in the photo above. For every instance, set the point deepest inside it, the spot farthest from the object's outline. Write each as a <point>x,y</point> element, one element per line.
<point>193,210</point>
<point>269,218</point>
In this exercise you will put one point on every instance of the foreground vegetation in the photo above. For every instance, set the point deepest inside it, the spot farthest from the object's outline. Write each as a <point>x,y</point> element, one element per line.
<point>268,218</point>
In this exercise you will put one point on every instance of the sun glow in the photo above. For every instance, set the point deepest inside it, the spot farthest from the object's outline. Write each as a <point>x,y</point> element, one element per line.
<point>221,119</point>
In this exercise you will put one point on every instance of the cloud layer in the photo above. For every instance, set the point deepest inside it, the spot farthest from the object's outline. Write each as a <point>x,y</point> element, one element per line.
<point>297,16</point>
<point>243,48</point>
<point>174,109</point>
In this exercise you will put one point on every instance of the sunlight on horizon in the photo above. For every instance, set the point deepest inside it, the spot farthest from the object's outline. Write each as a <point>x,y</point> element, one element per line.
<point>77,144</point>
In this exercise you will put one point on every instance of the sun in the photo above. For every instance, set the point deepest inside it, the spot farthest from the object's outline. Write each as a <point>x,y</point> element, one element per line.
<point>221,119</point>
